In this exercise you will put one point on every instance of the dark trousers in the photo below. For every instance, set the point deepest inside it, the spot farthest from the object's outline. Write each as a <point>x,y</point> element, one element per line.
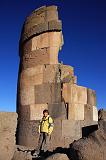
<point>43,142</point>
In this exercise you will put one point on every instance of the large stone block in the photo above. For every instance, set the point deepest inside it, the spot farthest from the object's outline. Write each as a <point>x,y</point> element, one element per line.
<point>28,133</point>
<point>88,112</point>
<point>37,57</point>
<point>32,71</point>
<point>55,39</point>
<point>76,111</point>
<point>55,25</point>
<point>36,111</point>
<point>56,137</point>
<point>86,123</point>
<point>24,112</point>
<point>78,94</point>
<point>34,20</point>
<point>50,73</point>
<point>48,93</point>
<point>48,39</point>
<point>27,95</point>
<point>51,13</point>
<point>72,129</point>
<point>95,114</point>
<point>36,80</point>
<point>73,93</point>
<point>30,78</point>
<point>42,94</point>
<point>8,124</point>
<point>91,97</point>
<point>57,110</point>
<point>53,54</point>
<point>40,41</point>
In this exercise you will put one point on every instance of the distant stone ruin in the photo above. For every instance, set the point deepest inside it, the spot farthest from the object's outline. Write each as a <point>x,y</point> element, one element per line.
<point>44,83</point>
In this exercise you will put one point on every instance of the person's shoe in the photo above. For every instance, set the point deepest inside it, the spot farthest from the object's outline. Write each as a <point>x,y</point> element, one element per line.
<point>35,154</point>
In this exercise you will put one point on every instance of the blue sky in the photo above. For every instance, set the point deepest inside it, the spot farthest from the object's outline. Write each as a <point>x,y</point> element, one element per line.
<point>84,30</point>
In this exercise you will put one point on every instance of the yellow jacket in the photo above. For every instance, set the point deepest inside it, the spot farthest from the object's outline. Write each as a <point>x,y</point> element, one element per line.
<point>46,125</point>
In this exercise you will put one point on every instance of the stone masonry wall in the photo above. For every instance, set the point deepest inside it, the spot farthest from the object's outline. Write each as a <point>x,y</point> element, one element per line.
<point>8,125</point>
<point>44,83</point>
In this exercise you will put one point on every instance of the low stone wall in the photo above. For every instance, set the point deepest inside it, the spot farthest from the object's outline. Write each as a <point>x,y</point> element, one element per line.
<point>8,124</point>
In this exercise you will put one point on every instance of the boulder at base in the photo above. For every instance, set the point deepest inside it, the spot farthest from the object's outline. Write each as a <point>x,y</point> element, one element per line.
<point>92,147</point>
<point>58,156</point>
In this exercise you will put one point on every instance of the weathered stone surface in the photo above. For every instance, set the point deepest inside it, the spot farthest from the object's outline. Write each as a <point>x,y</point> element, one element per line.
<point>41,14</point>
<point>55,25</point>
<point>34,58</point>
<point>36,111</point>
<point>85,123</point>
<point>40,21</point>
<point>48,39</point>
<point>76,111</point>
<point>56,137</point>
<point>52,13</point>
<point>19,155</point>
<point>50,73</point>
<point>8,123</point>
<point>93,147</point>
<point>24,112</point>
<point>91,97</point>
<point>57,110</point>
<point>58,156</point>
<point>102,114</point>
<point>26,48</point>
<point>88,112</point>
<point>48,93</point>
<point>28,133</point>
<point>27,95</point>
<point>75,94</point>
<point>32,71</point>
<point>72,129</point>
<point>78,94</point>
<point>95,114</point>
<point>31,78</point>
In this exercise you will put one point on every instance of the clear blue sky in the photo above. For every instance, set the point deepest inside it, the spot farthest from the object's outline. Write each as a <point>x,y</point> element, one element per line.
<point>84,30</point>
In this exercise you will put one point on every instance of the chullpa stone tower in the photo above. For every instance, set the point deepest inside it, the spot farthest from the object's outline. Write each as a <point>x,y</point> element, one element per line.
<point>44,83</point>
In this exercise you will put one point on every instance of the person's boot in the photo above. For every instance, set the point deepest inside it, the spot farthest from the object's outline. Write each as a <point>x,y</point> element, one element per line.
<point>35,154</point>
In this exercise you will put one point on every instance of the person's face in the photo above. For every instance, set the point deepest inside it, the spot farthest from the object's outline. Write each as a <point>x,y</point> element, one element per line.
<point>45,114</point>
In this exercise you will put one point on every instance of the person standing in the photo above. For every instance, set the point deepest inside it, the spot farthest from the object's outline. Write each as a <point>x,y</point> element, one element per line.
<point>45,129</point>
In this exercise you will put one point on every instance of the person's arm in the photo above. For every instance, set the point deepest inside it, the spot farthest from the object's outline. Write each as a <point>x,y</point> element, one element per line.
<point>51,125</point>
<point>39,129</point>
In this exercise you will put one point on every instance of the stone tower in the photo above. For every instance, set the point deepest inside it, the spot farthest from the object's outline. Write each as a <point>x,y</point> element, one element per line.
<point>43,83</point>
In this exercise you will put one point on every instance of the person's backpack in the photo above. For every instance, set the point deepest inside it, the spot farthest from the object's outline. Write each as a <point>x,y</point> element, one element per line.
<point>50,124</point>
